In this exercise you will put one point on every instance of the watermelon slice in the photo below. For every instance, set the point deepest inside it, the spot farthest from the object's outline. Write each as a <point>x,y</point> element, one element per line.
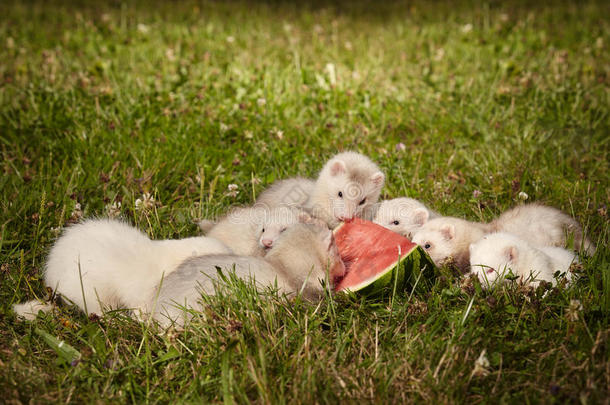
<point>378,260</point>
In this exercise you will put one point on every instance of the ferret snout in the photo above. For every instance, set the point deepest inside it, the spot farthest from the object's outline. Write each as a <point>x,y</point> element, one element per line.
<point>267,242</point>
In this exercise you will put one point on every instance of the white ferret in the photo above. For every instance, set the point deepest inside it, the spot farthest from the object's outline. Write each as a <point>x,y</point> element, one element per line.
<point>103,263</point>
<point>348,185</point>
<point>292,192</point>
<point>449,238</point>
<point>403,215</point>
<point>249,231</point>
<point>494,254</point>
<point>541,225</point>
<point>302,257</point>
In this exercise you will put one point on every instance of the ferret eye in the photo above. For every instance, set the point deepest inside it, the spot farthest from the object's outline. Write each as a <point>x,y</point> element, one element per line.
<point>427,246</point>
<point>363,201</point>
<point>263,230</point>
<point>396,222</point>
<point>340,194</point>
<point>282,230</point>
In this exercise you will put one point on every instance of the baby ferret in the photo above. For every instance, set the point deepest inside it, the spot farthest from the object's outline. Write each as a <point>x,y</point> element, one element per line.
<point>348,185</point>
<point>541,225</point>
<point>493,255</point>
<point>402,215</point>
<point>102,263</point>
<point>446,238</point>
<point>301,257</point>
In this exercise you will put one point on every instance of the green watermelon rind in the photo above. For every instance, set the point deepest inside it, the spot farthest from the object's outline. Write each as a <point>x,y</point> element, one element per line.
<point>405,273</point>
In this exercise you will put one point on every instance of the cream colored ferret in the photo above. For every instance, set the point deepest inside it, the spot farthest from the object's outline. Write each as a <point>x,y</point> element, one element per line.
<point>301,258</point>
<point>292,192</point>
<point>249,231</point>
<point>403,215</point>
<point>493,255</point>
<point>103,263</point>
<point>541,225</point>
<point>446,238</point>
<point>348,185</point>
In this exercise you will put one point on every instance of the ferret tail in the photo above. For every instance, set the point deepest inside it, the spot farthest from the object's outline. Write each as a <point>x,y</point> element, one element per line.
<point>205,225</point>
<point>29,310</point>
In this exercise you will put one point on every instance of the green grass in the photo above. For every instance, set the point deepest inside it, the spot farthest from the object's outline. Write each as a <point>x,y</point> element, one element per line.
<point>101,103</point>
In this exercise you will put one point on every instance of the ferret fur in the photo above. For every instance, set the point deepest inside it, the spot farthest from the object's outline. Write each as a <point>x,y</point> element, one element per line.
<point>118,264</point>
<point>494,254</point>
<point>348,186</point>
<point>542,225</point>
<point>301,257</point>
<point>292,192</point>
<point>403,215</point>
<point>447,237</point>
<point>249,231</point>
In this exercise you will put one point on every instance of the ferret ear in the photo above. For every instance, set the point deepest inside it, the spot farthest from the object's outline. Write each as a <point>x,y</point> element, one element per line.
<point>448,231</point>
<point>420,216</point>
<point>378,178</point>
<point>337,167</point>
<point>511,253</point>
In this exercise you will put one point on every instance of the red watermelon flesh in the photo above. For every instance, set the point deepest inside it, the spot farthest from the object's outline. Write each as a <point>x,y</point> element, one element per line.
<point>370,251</point>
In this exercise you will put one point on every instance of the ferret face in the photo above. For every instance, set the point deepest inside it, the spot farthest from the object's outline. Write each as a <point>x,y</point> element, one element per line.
<point>402,215</point>
<point>492,257</point>
<point>438,242</point>
<point>276,221</point>
<point>350,193</point>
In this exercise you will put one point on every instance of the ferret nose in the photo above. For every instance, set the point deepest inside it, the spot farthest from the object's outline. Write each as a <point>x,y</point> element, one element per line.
<point>267,242</point>
<point>345,218</point>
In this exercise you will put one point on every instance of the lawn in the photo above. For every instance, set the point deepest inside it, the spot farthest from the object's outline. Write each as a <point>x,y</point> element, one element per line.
<point>469,107</point>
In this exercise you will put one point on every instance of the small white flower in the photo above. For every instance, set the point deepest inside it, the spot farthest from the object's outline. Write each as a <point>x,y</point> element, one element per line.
<point>481,365</point>
<point>223,127</point>
<point>230,39</point>
<point>170,55</point>
<point>256,180</point>
<point>439,54</point>
<point>476,193</point>
<point>261,102</point>
<point>248,135</point>
<point>143,28</point>
<point>10,43</point>
<point>332,74</point>
<point>467,28</point>
<point>55,230</point>
<point>279,133</point>
<point>574,310</point>
<point>523,196</point>
<point>401,147</point>
<point>113,210</point>
<point>233,190</point>
<point>146,203</point>
<point>77,212</point>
